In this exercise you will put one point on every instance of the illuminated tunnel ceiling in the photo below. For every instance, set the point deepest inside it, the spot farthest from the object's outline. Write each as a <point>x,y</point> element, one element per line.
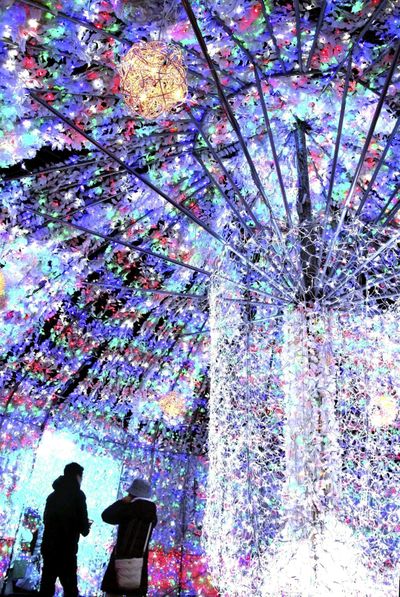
<point>112,225</point>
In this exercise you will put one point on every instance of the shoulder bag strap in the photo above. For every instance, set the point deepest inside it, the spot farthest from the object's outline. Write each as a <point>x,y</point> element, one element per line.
<point>147,538</point>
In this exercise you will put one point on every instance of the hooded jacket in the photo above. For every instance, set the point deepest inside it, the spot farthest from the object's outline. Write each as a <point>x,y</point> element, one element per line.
<point>133,520</point>
<point>65,517</point>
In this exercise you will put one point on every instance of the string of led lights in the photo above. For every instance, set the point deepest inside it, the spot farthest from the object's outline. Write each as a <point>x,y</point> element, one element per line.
<point>264,175</point>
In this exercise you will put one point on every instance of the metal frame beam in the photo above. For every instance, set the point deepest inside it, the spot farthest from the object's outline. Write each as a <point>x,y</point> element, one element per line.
<point>378,166</point>
<point>316,34</point>
<point>228,110</point>
<point>360,164</point>
<point>145,181</point>
<point>257,73</point>
<point>119,241</point>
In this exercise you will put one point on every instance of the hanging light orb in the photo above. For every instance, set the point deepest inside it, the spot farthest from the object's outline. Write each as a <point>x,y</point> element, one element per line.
<point>153,78</point>
<point>383,410</point>
<point>2,285</point>
<point>173,406</point>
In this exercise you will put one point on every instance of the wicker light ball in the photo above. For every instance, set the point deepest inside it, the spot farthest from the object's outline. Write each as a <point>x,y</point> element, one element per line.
<point>153,78</point>
<point>173,405</point>
<point>2,284</point>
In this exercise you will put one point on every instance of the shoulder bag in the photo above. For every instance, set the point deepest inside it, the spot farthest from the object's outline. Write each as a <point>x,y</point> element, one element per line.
<point>129,570</point>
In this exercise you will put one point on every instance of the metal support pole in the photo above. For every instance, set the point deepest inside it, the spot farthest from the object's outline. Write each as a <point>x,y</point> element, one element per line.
<point>298,34</point>
<point>316,34</point>
<point>304,212</point>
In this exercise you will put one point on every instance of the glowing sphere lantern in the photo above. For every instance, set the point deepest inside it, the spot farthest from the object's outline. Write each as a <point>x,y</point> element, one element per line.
<point>173,406</point>
<point>2,285</point>
<point>153,78</point>
<point>383,410</point>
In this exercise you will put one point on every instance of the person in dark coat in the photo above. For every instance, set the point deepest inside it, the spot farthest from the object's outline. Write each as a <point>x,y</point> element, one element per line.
<point>65,519</point>
<point>134,514</point>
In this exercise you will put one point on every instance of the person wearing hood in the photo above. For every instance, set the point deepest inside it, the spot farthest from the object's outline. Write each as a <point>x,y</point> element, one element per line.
<point>65,519</point>
<point>136,516</point>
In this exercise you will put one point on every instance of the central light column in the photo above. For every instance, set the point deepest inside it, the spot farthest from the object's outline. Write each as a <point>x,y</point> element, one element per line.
<point>245,439</point>
<point>275,522</point>
<point>312,451</point>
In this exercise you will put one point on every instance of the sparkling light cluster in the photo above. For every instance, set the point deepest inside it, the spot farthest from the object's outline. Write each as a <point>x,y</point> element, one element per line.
<point>111,227</point>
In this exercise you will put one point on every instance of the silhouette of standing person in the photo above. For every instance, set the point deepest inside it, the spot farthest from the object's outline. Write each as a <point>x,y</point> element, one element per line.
<point>136,516</point>
<point>65,519</point>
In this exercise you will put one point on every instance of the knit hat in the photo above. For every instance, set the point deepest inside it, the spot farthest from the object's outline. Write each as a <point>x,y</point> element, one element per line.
<point>140,488</point>
<point>72,469</point>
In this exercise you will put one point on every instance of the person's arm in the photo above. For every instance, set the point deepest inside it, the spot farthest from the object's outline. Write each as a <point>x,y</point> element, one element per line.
<point>83,521</point>
<point>126,510</point>
<point>115,513</point>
